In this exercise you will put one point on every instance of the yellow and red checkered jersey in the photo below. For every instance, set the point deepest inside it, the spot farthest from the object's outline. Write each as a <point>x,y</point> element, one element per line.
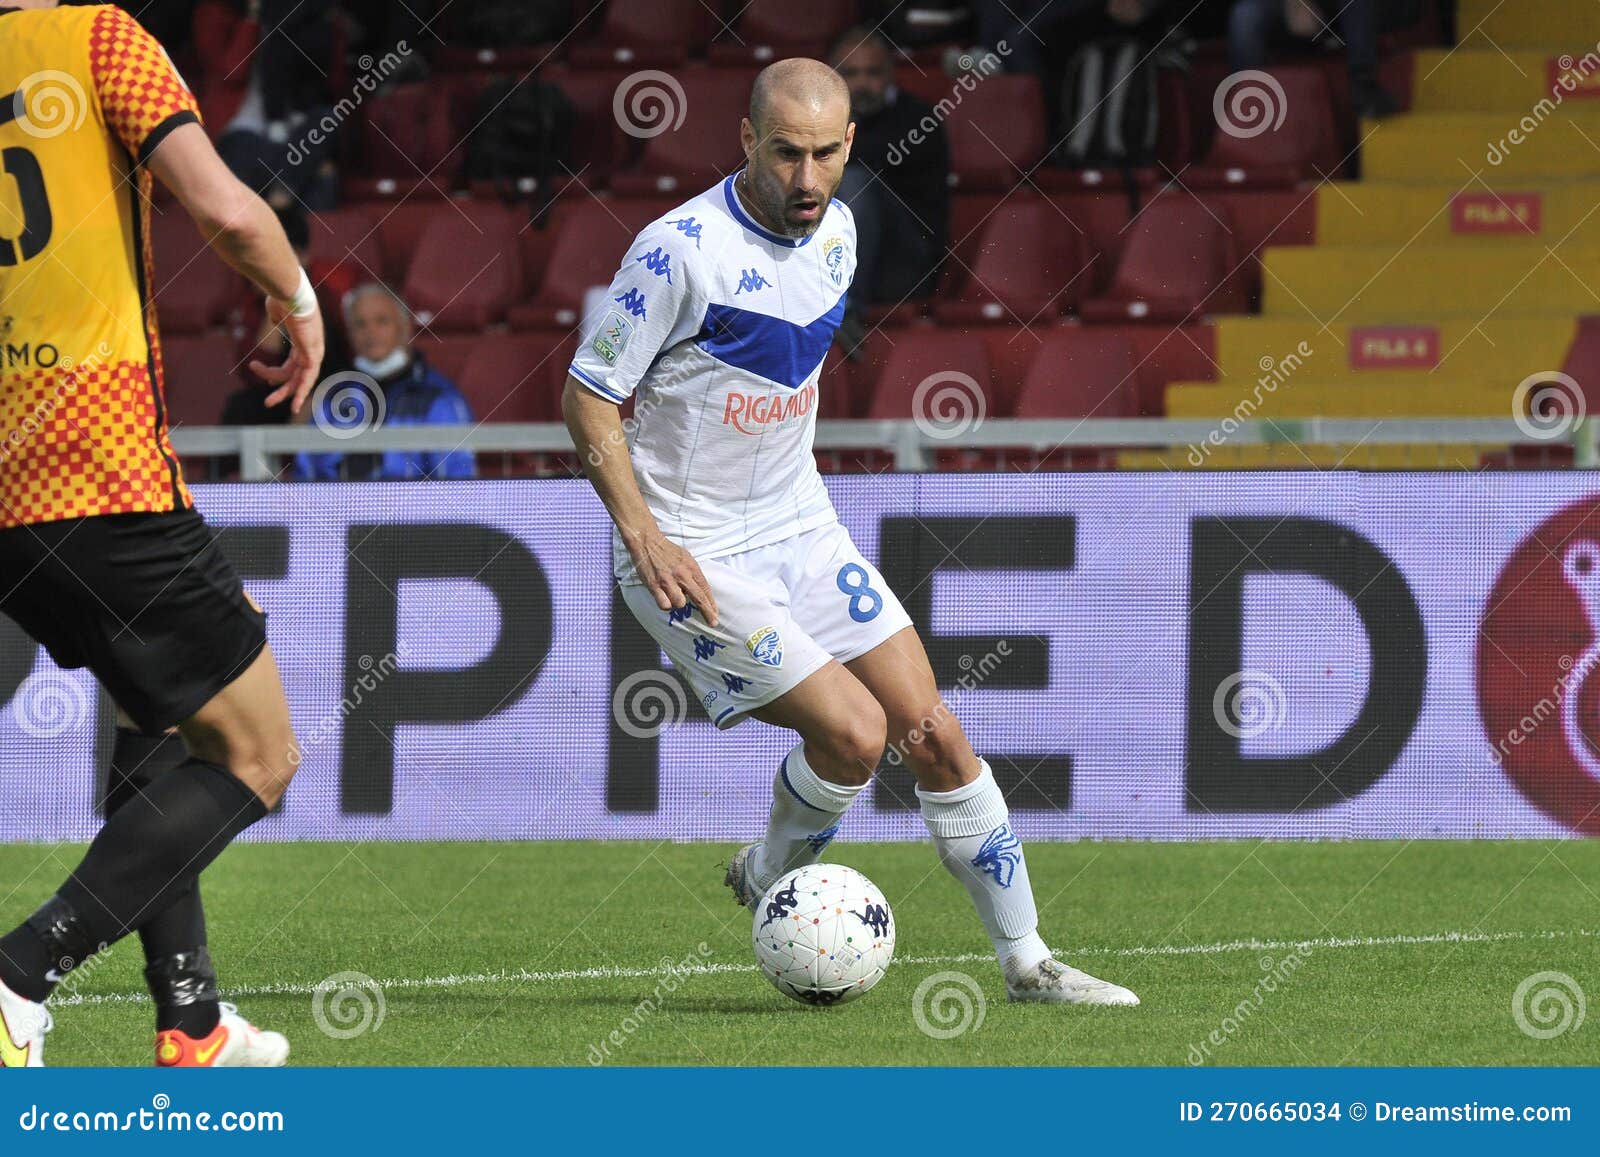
<point>85,94</point>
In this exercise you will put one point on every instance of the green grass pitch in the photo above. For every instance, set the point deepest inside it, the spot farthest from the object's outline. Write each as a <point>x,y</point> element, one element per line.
<point>548,954</point>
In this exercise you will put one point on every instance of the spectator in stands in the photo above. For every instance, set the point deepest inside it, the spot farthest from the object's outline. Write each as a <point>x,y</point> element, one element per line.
<point>1254,24</point>
<point>409,393</point>
<point>262,340</point>
<point>897,181</point>
<point>1027,28</point>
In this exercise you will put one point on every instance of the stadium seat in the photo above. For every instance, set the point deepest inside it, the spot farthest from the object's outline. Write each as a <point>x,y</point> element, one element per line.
<point>684,160</point>
<point>347,237</point>
<point>448,353</point>
<point>591,237</point>
<point>645,33</point>
<point>201,370</point>
<point>997,131</point>
<point>1028,264</point>
<point>408,143</point>
<point>467,268</point>
<point>194,288</point>
<point>597,138</point>
<point>1081,372</point>
<point>1179,260</point>
<point>769,30</point>
<point>944,366</point>
<point>507,377</point>
<point>1304,147</point>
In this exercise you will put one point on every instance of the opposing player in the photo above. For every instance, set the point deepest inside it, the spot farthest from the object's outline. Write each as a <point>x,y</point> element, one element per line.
<point>102,558</point>
<point>727,546</point>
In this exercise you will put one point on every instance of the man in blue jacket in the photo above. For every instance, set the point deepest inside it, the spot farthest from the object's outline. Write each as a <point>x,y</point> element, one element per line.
<point>409,392</point>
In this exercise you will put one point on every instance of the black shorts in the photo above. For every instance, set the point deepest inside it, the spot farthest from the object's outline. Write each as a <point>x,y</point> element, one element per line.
<point>148,602</point>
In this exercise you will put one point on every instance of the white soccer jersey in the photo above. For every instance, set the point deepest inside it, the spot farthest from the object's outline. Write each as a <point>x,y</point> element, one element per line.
<point>721,327</point>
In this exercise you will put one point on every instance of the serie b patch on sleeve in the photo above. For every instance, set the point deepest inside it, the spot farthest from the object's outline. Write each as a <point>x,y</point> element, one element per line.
<point>612,337</point>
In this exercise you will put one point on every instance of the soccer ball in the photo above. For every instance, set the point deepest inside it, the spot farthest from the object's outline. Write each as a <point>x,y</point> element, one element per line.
<point>824,934</point>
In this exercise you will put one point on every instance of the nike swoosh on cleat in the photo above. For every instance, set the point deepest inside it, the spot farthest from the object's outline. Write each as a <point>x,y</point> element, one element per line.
<point>203,1056</point>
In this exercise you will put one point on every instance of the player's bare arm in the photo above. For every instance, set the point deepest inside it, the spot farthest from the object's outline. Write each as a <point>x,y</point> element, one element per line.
<point>246,234</point>
<point>669,571</point>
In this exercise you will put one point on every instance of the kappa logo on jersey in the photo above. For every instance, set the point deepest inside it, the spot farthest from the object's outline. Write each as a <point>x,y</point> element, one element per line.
<point>689,227</point>
<point>612,337</point>
<point>657,261</point>
<point>751,279</point>
<point>999,855</point>
<point>833,258</point>
<point>750,413</point>
<point>633,302</point>
<point>766,645</point>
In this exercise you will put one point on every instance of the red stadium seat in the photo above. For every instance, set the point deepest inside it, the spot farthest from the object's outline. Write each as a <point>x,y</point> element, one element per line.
<point>591,237</point>
<point>200,371</point>
<point>409,143</point>
<point>684,160</point>
<point>508,377</point>
<point>447,353</point>
<point>194,288</point>
<point>771,30</point>
<point>597,138</point>
<point>1028,263</point>
<point>1081,372</point>
<point>400,228</point>
<point>467,268</point>
<point>1179,260</point>
<point>933,374</point>
<point>997,129</point>
<point>1304,147</point>
<point>641,33</point>
<point>347,239</point>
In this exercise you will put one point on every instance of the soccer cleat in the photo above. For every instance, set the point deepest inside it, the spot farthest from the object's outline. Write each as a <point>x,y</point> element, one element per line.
<point>23,1024</point>
<point>234,1044</point>
<point>1051,982</point>
<point>745,890</point>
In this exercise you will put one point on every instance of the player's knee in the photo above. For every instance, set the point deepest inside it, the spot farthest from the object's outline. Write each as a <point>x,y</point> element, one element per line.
<point>265,765</point>
<point>855,743</point>
<point>933,742</point>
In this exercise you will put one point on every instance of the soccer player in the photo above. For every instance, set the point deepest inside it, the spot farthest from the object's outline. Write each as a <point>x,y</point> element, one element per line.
<point>102,558</point>
<point>727,546</point>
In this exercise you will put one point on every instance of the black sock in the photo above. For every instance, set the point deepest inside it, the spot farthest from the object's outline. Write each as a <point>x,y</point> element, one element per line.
<point>150,850</point>
<point>184,988</point>
<point>137,761</point>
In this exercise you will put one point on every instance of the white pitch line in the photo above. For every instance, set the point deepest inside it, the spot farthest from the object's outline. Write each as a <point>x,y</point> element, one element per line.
<point>527,976</point>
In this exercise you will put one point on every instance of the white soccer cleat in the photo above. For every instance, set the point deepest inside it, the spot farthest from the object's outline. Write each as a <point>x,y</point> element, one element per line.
<point>23,1024</point>
<point>1051,982</point>
<point>745,890</point>
<point>234,1044</point>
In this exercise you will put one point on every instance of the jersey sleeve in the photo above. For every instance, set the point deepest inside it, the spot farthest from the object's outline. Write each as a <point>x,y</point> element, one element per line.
<point>141,95</point>
<point>652,304</point>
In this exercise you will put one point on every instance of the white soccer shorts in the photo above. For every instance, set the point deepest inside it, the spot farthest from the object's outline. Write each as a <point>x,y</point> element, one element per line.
<point>783,611</point>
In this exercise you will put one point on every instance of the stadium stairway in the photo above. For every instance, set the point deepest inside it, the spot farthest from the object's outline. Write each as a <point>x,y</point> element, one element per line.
<point>1461,264</point>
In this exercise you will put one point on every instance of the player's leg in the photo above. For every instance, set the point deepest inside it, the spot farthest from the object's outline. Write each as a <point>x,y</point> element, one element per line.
<point>967,817</point>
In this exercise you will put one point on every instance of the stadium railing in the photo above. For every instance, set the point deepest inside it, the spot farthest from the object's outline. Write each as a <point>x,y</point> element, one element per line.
<point>911,444</point>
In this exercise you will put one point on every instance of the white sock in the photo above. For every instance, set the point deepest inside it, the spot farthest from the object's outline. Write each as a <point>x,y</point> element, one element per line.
<point>805,815</point>
<point>971,828</point>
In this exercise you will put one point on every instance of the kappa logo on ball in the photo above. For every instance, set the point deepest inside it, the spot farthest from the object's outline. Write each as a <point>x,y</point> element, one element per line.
<point>612,337</point>
<point>1538,648</point>
<point>767,646</point>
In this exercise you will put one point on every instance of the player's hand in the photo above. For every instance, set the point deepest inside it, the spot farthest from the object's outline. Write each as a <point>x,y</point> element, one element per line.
<point>674,577</point>
<point>298,374</point>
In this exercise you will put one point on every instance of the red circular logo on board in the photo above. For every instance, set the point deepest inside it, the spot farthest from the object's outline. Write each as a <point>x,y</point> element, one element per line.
<point>1538,659</point>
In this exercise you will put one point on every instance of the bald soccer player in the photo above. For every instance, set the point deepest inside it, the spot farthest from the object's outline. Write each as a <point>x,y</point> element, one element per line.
<point>727,547</point>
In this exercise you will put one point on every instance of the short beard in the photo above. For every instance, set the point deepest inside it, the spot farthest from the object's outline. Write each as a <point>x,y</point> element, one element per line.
<point>775,212</point>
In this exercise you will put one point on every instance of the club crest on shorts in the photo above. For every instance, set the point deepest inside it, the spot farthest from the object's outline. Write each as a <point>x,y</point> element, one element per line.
<point>767,646</point>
